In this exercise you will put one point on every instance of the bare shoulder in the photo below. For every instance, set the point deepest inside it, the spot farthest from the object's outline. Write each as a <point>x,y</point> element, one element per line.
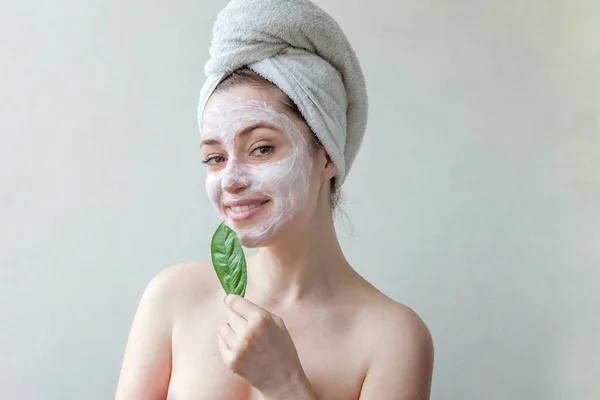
<point>182,283</point>
<point>400,351</point>
<point>146,367</point>
<point>395,323</point>
<point>180,275</point>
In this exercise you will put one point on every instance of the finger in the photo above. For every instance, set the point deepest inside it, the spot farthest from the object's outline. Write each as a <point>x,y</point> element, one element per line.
<point>227,335</point>
<point>236,322</point>
<point>245,308</point>
<point>226,353</point>
<point>279,321</point>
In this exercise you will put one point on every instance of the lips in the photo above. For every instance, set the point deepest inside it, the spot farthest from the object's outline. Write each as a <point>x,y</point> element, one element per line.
<point>241,210</point>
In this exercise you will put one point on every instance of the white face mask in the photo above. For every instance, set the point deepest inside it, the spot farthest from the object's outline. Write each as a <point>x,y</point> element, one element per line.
<point>283,182</point>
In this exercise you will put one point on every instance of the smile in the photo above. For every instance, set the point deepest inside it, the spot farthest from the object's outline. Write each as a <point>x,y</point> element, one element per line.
<point>245,209</point>
<point>238,209</point>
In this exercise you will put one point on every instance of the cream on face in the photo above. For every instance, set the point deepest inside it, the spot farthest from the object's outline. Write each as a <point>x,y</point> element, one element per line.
<point>283,182</point>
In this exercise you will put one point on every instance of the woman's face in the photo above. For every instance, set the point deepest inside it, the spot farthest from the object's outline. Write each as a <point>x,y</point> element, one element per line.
<point>259,162</point>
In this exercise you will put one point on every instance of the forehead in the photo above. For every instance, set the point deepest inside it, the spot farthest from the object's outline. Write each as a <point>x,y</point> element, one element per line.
<point>220,102</point>
<point>240,110</point>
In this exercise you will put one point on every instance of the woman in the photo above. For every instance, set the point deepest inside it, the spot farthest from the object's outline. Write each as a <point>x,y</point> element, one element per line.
<point>279,135</point>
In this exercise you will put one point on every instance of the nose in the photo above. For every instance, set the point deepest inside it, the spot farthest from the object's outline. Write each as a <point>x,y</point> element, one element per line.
<point>235,179</point>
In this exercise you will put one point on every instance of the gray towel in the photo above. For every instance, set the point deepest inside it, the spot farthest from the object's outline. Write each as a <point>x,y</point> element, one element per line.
<point>301,49</point>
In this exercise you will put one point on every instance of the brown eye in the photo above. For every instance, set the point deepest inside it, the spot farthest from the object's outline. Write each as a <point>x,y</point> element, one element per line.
<point>262,151</point>
<point>214,159</point>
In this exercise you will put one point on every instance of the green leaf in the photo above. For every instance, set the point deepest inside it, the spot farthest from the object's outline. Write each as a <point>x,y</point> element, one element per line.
<point>228,260</point>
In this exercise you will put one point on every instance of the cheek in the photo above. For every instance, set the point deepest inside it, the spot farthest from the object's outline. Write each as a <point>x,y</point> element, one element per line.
<point>292,181</point>
<point>270,177</point>
<point>279,179</point>
<point>213,187</point>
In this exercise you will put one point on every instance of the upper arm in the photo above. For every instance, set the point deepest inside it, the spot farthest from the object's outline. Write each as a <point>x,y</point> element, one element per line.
<point>402,364</point>
<point>146,367</point>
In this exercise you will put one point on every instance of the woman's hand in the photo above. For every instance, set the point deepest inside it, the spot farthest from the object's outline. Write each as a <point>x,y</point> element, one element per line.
<point>256,345</point>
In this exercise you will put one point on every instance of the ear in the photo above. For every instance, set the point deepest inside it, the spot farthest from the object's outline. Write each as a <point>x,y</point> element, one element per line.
<point>329,169</point>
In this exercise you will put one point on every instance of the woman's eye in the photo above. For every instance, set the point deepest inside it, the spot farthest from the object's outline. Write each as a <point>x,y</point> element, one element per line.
<point>262,151</point>
<point>213,160</point>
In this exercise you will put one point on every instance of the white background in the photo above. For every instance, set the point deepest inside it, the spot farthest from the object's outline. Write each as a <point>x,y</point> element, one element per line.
<point>475,198</point>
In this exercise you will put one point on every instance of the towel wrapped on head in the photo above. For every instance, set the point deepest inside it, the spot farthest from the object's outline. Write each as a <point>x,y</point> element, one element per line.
<point>303,51</point>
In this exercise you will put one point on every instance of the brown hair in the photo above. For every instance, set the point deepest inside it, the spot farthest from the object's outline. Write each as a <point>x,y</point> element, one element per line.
<point>246,76</point>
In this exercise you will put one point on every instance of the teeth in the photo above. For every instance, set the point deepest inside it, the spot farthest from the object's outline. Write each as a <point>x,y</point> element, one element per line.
<point>238,209</point>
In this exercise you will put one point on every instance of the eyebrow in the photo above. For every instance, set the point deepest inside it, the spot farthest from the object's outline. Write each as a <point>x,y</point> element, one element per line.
<point>243,132</point>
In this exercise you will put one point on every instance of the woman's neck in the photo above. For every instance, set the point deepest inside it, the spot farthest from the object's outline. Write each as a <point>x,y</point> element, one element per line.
<point>299,267</point>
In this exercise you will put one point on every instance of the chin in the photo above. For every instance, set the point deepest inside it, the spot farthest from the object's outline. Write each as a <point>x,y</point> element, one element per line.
<point>264,231</point>
<point>261,236</point>
<point>252,240</point>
